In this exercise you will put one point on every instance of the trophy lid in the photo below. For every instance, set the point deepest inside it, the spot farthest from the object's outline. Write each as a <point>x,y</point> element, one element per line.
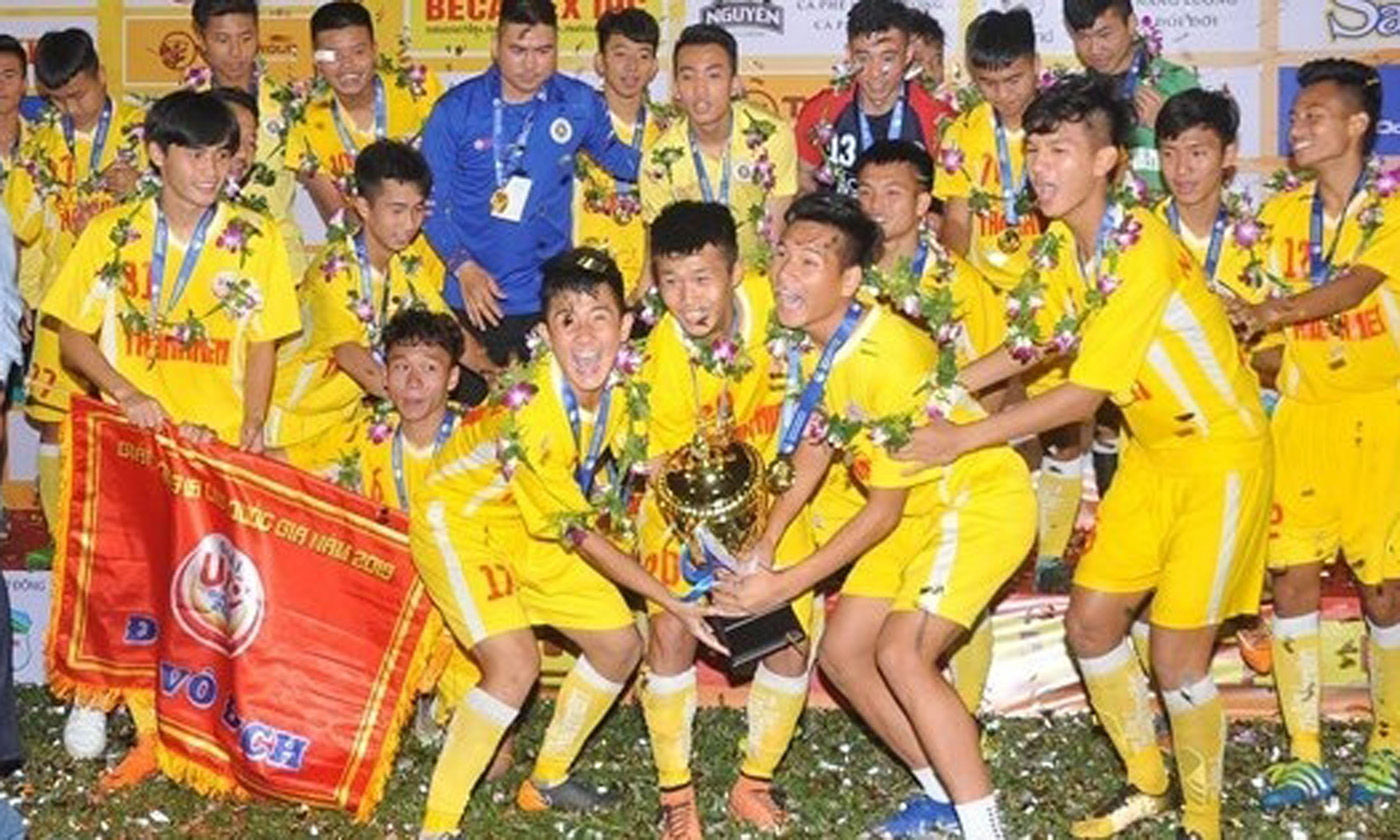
<point>719,484</point>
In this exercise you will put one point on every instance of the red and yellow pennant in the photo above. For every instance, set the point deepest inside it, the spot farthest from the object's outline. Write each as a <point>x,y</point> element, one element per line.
<point>277,620</point>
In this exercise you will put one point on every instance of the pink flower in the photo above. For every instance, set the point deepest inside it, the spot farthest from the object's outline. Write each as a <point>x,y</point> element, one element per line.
<point>1108,284</point>
<point>817,427</point>
<point>910,306</point>
<point>333,265</point>
<point>629,360</point>
<point>1044,259</point>
<point>519,395</point>
<point>825,131</point>
<point>725,351</point>
<point>1248,232</point>
<point>130,235</point>
<point>1064,341</point>
<point>1387,183</point>
<point>197,76</point>
<point>418,73</point>
<point>1129,231</point>
<point>947,332</point>
<point>182,333</point>
<point>1013,306</point>
<point>1022,349</point>
<point>364,310</point>
<point>222,286</point>
<point>379,432</point>
<point>951,159</point>
<point>234,237</point>
<point>1137,188</point>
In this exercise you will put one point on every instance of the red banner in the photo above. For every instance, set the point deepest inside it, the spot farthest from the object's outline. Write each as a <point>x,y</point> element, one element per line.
<point>277,620</point>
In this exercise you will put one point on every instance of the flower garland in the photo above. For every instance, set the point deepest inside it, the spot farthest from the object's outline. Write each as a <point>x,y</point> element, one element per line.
<point>600,195</point>
<point>611,506</point>
<point>1377,185</point>
<point>238,297</point>
<point>1024,338</point>
<point>338,262</point>
<point>761,173</point>
<point>41,164</point>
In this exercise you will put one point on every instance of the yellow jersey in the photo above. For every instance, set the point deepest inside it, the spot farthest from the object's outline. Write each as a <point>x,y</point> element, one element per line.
<point>760,163</point>
<point>686,392</point>
<point>364,460</point>
<point>1356,351</point>
<point>970,168</point>
<point>340,305</point>
<point>192,357</point>
<point>326,140</point>
<point>56,191</point>
<point>1160,344</point>
<point>608,212</point>
<point>512,462</point>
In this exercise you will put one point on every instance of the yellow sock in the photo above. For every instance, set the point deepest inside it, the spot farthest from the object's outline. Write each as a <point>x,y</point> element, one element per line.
<point>1141,635</point>
<point>477,727</point>
<point>1384,645</point>
<point>1058,491</point>
<point>1297,662</point>
<point>143,713</point>
<point>459,676</point>
<point>584,698</point>
<point>1119,693</point>
<point>970,664</point>
<point>50,476</point>
<point>668,704</point>
<point>775,703</point>
<point>1198,738</point>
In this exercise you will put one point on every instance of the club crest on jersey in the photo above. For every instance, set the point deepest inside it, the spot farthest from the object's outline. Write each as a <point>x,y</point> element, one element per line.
<point>217,596</point>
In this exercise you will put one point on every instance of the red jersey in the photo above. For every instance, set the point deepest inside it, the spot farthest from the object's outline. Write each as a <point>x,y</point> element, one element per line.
<point>832,132</point>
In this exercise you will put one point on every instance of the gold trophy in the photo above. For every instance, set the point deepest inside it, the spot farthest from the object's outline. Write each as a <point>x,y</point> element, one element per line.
<point>713,495</point>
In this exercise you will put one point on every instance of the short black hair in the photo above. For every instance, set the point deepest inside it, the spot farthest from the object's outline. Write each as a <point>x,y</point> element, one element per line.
<point>237,96</point>
<point>996,39</point>
<point>636,25</point>
<point>59,56</point>
<point>390,160</point>
<point>699,34</point>
<point>340,14</point>
<point>860,234</point>
<point>685,227</point>
<point>416,325</point>
<point>883,152</point>
<point>582,270</point>
<point>1212,109</point>
<point>1360,81</point>
<point>868,17</point>
<point>921,24</point>
<point>204,11</point>
<point>1082,98</point>
<point>1081,14</point>
<point>528,12</point>
<point>192,120</point>
<point>9,45</point>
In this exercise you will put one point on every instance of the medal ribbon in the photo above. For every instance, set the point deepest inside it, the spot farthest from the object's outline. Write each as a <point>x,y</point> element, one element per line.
<point>99,137</point>
<point>920,259</point>
<point>896,129</point>
<point>396,451</point>
<point>1009,195</point>
<point>381,120</point>
<point>1135,73</point>
<point>510,164</point>
<point>1217,236</point>
<point>796,413</point>
<point>187,264</point>
<point>588,462</point>
<point>707,191</point>
<point>367,284</point>
<point>639,129</point>
<point>1319,266</point>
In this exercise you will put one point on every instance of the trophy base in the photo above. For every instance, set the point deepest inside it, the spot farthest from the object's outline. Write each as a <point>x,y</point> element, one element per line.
<point>753,637</point>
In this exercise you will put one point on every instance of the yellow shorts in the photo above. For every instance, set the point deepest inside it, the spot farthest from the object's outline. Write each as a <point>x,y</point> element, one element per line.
<point>1338,484</point>
<point>951,561</point>
<point>660,548</point>
<point>489,579</point>
<point>50,385</point>
<point>1193,532</point>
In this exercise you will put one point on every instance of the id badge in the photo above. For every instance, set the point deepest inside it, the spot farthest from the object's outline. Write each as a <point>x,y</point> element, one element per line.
<point>508,202</point>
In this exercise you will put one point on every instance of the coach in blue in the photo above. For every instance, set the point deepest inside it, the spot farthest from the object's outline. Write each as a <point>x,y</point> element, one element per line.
<point>501,147</point>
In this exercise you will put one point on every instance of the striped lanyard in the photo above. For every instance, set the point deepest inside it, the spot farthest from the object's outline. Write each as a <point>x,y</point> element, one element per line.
<point>99,137</point>
<point>588,461</point>
<point>1009,195</point>
<point>187,263</point>
<point>1320,266</point>
<point>381,120</point>
<point>639,129</point>
<point>707,191</point>
<point>895,131</point>
<point>796,412</point>
<point>1217,235</point>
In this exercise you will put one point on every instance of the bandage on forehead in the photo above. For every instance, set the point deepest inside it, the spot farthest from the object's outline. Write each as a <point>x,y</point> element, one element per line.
<point>324,56</point>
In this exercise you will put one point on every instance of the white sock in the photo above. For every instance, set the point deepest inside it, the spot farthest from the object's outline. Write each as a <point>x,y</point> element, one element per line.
<point>981,819</point>
<point>928,780</point>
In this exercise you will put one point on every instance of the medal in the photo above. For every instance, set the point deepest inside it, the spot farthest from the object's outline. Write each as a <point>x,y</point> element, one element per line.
<point>781,475</point>
<point>499,202</point>
<point>1010,241</point>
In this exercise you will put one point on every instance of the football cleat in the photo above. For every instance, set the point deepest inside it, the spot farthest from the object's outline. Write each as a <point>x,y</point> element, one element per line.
<point>1127,806</point>
<point>1296,783</point>
<point>919,815</point>
<point>1379,779</point>
<point>568,795</point>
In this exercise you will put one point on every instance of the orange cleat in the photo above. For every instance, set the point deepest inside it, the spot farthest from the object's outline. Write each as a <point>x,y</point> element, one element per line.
<point>754,802</point>
<point>1256,647</point>
<point>680,816</point>
<point>138,765</point>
